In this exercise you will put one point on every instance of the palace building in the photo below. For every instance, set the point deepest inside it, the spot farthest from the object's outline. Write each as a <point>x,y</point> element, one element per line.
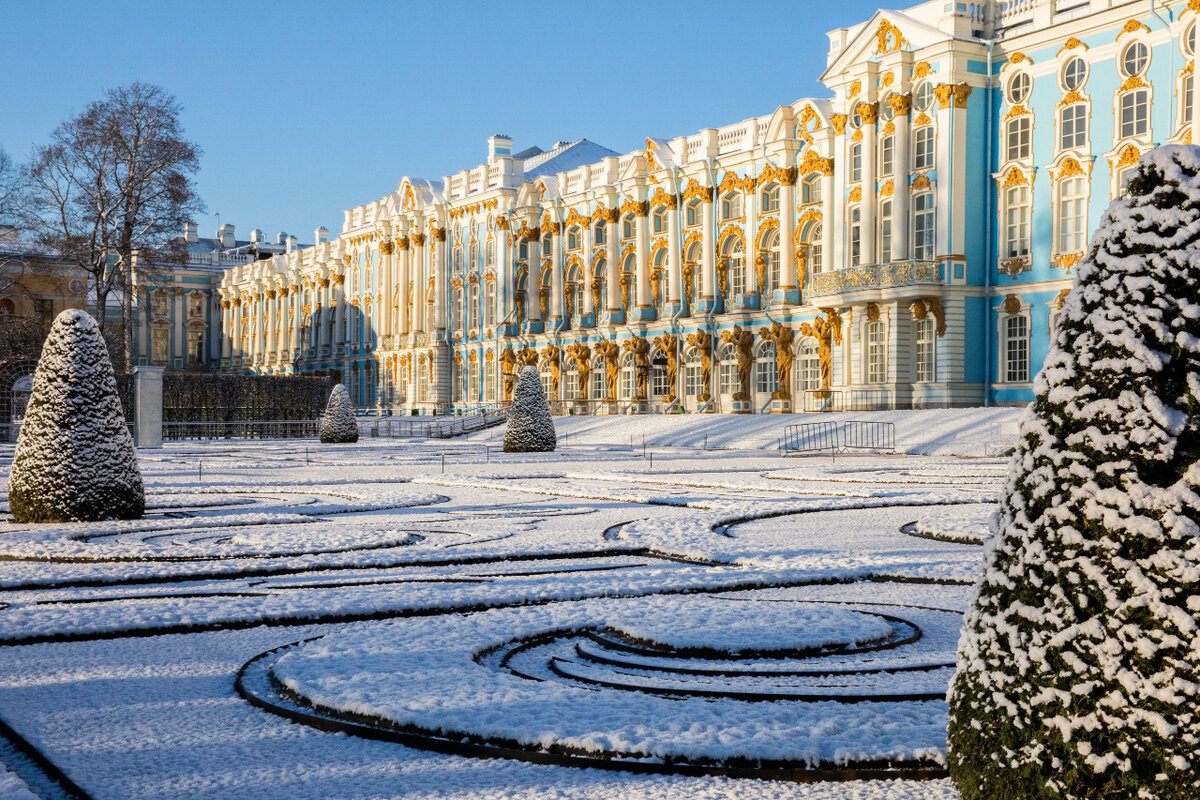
<point>905,241</point>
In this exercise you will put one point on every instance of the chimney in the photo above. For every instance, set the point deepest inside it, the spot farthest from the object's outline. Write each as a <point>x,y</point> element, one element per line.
<point>291,242</point>
<point>190,234</point>
<point>499,145</point>
<point>225,235</point>
<point>256,236</point>
<point>321,235</point>
<point>280,237</point>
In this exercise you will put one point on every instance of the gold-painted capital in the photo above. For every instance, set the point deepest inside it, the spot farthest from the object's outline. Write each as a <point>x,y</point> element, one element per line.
<point>901,104</point>
<point>869,112</point>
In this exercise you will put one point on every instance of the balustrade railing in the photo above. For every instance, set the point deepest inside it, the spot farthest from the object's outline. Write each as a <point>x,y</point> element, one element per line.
<point>877,276</point>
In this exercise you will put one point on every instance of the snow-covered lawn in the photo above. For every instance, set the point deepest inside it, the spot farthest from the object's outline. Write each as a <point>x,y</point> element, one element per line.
<point>720,606</point>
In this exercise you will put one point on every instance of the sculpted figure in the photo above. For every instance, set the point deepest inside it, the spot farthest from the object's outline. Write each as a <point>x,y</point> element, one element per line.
<point>581,354</point>
<point>742,342</point>
<point>641,360</point>
<point>508,366</point>
<point>667,343</point>
<point>702,341</point>
<point>551,354</point>
<point>783,337</point>
<point>609,351</point>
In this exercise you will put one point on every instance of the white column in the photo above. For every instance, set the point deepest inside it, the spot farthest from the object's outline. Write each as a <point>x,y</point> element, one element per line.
<point>901,224</point>
<point>588,305</point>
<point>226,329</point>
<point>612,281</point>
<point>836,223</point>
<point>554,231</point>
<point>831,234</point>
<point>405,286</point>
<point>674,260</point>
<point>641,223</point>
<point>297,320</point>
<point>387,290</point>
<point>787,231</point>
<point>708,244</point>
<point>439,266</point>
<point>868,112</point>
<point>339,316</point>
<point>419,282</point>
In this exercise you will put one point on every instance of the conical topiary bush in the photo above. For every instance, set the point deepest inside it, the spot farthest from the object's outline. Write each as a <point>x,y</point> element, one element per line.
<point>338,425</point>
<point>75,459</point>
<point>530,427</point>
<point>1077,669</point>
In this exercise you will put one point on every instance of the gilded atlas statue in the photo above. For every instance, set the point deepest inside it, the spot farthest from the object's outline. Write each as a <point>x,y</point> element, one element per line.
<point>703,341</point>
<point>667,343</point>
<point>551,354</point>
<point>827,331</point>
<point>782,336</point>
<point>641,361</point>
<point>609,351</point>
<point>743,342</point>
<point>508,374</point>
<point>581,354</point>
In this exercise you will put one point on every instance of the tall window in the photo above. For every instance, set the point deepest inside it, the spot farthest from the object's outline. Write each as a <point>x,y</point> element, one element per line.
<point>574,241</point>
<point>489,253</point>
<point>735,258</point>
<point>571,382</point>
<point>1135,113</point>
<point>1016,349</point>
<point>731,206</point>
<point>766,379</point>
<point>473,308</point>
<point>923,226</point>
<point>628,377</point>
<point>1187,98</point>
<point>856,236</point>
<point>887,155</point>
<point>598,233</point>
<point>811,191</point>
<point>1018,138</point>
<point>855,162</point>
<point>629,269</point>
<point>693,383</point>
<point>811,240</point>
<point>1072,131</point>
<point>456,310</point>
<point>660,220</point>
<point>771,251</point>
<point>885,231</point>
<point>489,304</point>
<point>693,215</point>
<point>1072,214</point>
<point>599,380</point>
<point>770,199</point>
<point>458,259</point>
<point>925,349</point>
<point>547,380</point>
<point>727,375</point>
<point>489,381</point>
<point>472,381</point>
<point>876,366</point>
<point>923,147</point>
<point>1016,222</point>
<point>195,346</point>
<point>195,305</point>
<point>456,376</point>
<point>808,366</point>
<point>658,375</point>
<point>627,226</point>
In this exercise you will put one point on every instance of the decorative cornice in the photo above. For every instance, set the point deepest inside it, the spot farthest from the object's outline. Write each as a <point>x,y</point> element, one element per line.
<point>705,193</point>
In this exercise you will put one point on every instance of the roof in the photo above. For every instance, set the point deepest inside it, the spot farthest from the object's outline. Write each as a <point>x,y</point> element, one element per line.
<point>565,157</point>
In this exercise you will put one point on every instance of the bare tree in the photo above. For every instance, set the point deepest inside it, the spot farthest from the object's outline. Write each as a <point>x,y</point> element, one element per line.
<point>114,181</point>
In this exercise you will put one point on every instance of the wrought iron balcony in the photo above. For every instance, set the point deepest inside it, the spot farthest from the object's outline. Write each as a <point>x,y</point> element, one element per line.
<point>877,276</point>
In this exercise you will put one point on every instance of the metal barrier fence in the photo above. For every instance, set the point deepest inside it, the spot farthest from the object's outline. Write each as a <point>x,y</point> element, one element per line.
<point>843,400</point>
<point>877,436</point>
<point>810,437</point>
<point>827,437</point>
<point>433,427</point>
<point>257,429</point>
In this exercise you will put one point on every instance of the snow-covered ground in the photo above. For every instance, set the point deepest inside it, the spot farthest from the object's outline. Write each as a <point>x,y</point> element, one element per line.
<point>695,597</point>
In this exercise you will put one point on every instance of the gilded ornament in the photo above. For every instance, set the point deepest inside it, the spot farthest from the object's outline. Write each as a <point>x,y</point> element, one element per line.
<point>856,194</point>
<point>922,119</point>
<point>838,121</point>
<point>1016,111</point>
<point>1014,177</point>
<point>1012,304</point>
<point>1013,267</point>
<point>386,248</point>
<point>886,79</point>
<point>1133,82</point>
<point>889,129</point>
<point>1069,168</point>
<point>920,183</point>
<point>873,312</point>
<point>1066,261</point>
<point>888,38</point>
<point>1129,156</point>
<point>1071,44</point>
<point>869,112</point>
<point>703,341</point>
<point>1061,298</point>
<point>922,69</point>
<point>813,162</point>
<point>888,188</point>
<point>857,136</point>
<point>1133,26</point>
<point>418,239</point>
<point>1018,58</point>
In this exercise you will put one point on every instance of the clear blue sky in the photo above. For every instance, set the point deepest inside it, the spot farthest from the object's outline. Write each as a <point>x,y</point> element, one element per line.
<point>303,109</point>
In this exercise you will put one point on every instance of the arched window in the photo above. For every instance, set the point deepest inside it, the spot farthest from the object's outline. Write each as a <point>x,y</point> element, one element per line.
<point>664,275</point>
<point>473,307</point>
<point>574,240</point>
<point>571,380</point>
<point>659,386</point>
<point>599,379</point>
<point>628,377</point>
<point>765,376</point>
<point>727,374</point>
<point>885,230</point>
<point>810,240</point>
<point>598,233</point>
<point>599,272</point>
<point>547,379</point>
<point>660,220</point>
<point>810,192</point>
<point>693,215</point>
<point>473,261</point>
<point>456,310</point>
<point>575,290</point>
<point>808,366</point>
<point>629,278</point>
<point>770,198</point>
<point>456,378</point>
<point>693,374</point>
<point>770,249</point>
<point>489,380</point>
<point>731,206</point>
<point>736,265</point>
<point>472,381</point>
<point>458,260</point>
<point>627,226</point>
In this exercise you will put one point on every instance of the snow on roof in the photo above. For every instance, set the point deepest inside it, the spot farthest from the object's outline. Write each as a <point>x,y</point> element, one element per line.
<point>565,157</point>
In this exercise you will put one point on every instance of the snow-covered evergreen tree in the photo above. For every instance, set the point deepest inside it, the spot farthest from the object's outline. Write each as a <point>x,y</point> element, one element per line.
<point>1077,673</point>
<point>530,427</point>
<point>338,426</point>
<point>75,459</point>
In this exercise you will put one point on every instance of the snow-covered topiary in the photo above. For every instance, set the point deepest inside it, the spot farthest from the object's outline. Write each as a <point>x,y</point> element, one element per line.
<point>530,427</point>
<point>75,459</point>
<point>338,425</point>
<point>1077,670</point>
